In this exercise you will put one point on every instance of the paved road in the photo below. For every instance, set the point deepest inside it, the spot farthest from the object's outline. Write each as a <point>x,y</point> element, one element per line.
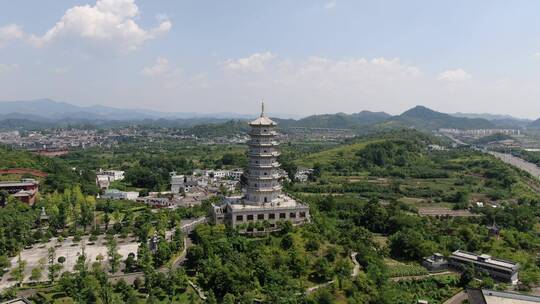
<point>533,169</point>
<point>457,298</point>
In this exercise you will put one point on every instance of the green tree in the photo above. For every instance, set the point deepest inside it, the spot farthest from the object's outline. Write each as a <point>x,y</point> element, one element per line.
<point>113,255</point>
<point>36,274</point>
<point>342,270</point>
<point>229,299</point>
<point>53,268</point>
<point>130,263</point>
<point>18,272</point>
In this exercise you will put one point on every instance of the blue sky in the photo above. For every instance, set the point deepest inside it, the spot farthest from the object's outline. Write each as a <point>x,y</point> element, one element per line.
<point>302,57</point>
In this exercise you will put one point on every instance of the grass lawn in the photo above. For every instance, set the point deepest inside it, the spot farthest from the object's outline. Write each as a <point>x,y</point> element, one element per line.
<point>334,154</point>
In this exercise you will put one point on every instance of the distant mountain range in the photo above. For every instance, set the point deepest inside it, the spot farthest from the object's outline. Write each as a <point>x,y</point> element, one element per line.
<point>44,113</point>
<point>535,124</point>
<point>47,109</point>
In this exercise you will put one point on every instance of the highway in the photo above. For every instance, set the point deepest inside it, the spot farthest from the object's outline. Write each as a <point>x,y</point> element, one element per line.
<point>533,169</point>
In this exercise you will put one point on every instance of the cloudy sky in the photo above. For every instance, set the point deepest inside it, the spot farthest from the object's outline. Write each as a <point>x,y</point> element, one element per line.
<point>302,57</point>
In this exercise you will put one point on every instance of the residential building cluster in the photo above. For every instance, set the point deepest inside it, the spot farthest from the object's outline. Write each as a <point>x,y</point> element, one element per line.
<point>481,132</point>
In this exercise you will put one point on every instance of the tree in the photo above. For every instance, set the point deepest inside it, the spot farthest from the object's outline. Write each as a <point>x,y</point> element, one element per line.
<point>4,262</point>
<point>342,270</point>
<point>322,269</point>
<point>112,253</point>
<point>37,274</point>
<point>54,269</point>
<point>317,172</point>
<point>229,299</point>
<point>3,197</point>
<point>18,272</point>
<point>211,298</point>
<point>144,258</point>
<point>130,263</point>
<point>323,296</point>
<point>287,241</point>
<point>409,244</point>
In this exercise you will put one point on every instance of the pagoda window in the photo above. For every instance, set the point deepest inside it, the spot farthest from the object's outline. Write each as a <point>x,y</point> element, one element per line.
<point>282,215</point>
<point>260,216</point>
<point>250,217</point>
<point>239,218</point>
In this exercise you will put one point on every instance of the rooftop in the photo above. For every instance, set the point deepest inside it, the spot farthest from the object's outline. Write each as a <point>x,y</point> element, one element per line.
<point>283,202</point>
<point>486,296</point>
<point>263,120</point>
<point>486,259</point>
<point>18,184</point>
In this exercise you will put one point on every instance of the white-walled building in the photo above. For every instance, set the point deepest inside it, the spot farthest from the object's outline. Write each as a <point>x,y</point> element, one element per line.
<point>112,175</point>
<point>120,195</point>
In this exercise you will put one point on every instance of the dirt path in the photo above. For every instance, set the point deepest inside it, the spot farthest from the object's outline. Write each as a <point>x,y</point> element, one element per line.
<point>458,298</point>
<point>420,277</point>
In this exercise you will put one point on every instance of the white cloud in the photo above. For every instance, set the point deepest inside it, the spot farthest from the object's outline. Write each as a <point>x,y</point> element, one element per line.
<point>160,67</point>
<point>61,70</point>
<point>108,22</point>
<point>537,55</point>
<point>253,63</point>
<point>319,84</point>
<point>4,67</point>
<point>9,33</point>
<point>457,75</point>
<point>330,4</point>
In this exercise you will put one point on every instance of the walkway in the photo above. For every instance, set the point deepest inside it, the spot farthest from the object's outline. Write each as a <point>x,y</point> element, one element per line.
<point>458,298</point>
<point>70,251</point>
<point>421,277</point>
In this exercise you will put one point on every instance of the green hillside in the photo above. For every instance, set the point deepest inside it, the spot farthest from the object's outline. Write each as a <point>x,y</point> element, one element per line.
<point>423,118</point>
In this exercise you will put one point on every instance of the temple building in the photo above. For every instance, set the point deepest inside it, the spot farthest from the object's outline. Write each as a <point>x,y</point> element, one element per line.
<point>25,190</point>
<point>262,200</point>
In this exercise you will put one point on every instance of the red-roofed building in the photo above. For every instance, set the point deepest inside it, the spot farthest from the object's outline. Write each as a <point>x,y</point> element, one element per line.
<point>25,190</point>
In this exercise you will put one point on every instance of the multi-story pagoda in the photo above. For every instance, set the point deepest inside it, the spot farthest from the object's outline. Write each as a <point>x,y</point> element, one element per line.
<point>263,178</point>
<point>263,199</point>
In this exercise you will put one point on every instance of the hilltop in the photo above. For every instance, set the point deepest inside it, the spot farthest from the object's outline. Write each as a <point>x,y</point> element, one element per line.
<point>424,118</point>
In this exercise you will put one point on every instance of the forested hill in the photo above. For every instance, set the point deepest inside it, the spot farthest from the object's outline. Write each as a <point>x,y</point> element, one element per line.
<point>337,121</point>
<point>424,118</point>
<point>535,124</point>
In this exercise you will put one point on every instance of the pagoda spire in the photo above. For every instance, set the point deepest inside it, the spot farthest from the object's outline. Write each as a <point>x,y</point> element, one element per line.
<point>262,108</point>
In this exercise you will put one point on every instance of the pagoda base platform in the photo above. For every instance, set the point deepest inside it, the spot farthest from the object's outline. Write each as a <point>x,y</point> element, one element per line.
<point>234,211</point>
